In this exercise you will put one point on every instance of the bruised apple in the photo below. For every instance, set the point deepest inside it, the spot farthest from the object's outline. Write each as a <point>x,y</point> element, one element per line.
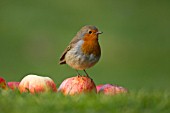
<point>77,85</point>
<point>3,83</point>
<point>13,85</point>
<point>37,84</point>
<point>110,89</point>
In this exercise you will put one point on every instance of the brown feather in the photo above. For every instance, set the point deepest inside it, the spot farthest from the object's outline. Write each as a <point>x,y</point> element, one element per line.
<point>72,43</point>
<point>62,58</point>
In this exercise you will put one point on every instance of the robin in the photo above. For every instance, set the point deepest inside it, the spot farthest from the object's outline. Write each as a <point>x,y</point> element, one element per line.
<point>84,50</point>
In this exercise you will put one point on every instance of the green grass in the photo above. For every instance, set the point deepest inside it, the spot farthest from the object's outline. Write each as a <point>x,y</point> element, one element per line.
<point>134,102</point>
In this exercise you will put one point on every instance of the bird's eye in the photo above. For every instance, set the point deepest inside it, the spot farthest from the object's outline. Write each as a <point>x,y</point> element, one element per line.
<point>90,32</point>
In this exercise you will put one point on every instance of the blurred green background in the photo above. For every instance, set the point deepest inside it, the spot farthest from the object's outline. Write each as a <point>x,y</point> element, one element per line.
<point>135,43</point>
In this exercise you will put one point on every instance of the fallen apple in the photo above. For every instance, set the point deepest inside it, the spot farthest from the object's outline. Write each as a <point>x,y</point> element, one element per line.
<point>37,84</point>
<point>77,85</point>
<point>98,87</point>
<point>13,85</point>
<point>110,89</point>
<point>3,83</point>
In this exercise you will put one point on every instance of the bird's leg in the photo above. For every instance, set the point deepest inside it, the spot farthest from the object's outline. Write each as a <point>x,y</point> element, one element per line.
<point>78,74</point>
<point>86,73</point>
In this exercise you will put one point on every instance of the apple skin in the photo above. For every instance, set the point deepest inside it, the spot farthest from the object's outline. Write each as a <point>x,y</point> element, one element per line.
<point>36,84</point>
<point>13,85</point>
<point>110,89</point>
<point>77,85</point>
<point>3,83</point>
<point>98,87</point>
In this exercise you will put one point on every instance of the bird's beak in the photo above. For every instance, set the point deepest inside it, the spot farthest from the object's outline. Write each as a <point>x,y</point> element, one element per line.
<point>99,32</point>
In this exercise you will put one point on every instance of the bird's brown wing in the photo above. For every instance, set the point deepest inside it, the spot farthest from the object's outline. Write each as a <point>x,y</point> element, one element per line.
<point>72,43</point>
<point>62,58</point>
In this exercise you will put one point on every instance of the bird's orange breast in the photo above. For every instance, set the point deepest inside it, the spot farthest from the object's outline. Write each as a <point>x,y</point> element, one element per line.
<point>91,45</point>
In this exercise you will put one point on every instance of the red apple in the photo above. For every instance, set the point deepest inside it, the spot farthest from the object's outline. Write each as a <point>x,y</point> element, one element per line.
<point>3,83</point>
<point>37,84</point>
<point>77,85</point>
<point>13,85</point>
<point>110,89</point>
<point>98,87</point>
